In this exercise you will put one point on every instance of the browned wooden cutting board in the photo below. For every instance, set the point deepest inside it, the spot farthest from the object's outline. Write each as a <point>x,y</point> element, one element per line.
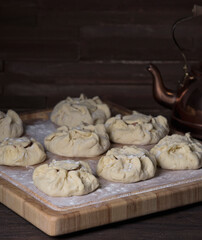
<point>111,203</point>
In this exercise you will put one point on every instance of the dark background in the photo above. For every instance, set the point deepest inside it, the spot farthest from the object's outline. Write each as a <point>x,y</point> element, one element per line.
<point>51,49</point>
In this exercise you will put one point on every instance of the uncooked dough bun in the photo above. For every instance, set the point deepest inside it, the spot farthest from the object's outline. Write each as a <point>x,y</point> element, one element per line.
<point>178,152</point>
<point>21,152</point>
<point>10,125</point>
<point>126,165</point>
<point>83,141</point>
<point>137,129</point>
<point>72,112</point>
<point>65,178</point>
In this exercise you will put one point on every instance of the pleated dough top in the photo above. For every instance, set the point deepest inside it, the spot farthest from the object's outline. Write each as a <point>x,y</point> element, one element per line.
<point>137,128</point>
<point>11,125</point>
<point>21,152</point>
<point>177,152</point>
<point>127,165</point>
<point>65,178</point>
<point>83,141</point>
<point>72,112</point>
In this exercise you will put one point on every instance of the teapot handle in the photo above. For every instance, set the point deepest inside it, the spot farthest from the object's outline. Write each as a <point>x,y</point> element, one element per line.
<point>197,10</point>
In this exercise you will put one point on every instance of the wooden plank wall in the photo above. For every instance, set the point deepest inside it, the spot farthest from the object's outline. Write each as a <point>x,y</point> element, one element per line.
<point>51,49</point>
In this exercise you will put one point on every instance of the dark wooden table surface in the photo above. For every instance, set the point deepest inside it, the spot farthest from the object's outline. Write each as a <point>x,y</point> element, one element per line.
<point>181,223</point>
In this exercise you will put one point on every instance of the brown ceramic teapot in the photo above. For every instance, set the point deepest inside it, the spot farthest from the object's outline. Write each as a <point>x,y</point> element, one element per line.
<point>186,102</point>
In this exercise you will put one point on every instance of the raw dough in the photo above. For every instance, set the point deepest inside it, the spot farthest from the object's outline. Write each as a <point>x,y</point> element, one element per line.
<point>72,112</point>
<point>10,125</point>
<point>65,178</point>
<point>127,165</point>
<point>178,152</point>
<point>83,141</point>
<point>21,152</point>
<point>137,128</point>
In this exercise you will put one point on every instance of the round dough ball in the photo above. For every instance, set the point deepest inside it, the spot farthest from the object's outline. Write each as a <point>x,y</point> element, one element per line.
<point>65,178</point>
<point>178,152</point>
<point>83,141</point>
<point>126,165</point>
<point>11,125</point>
<point>137,128</point>
<point>21,152</point>
<point>72,112</point>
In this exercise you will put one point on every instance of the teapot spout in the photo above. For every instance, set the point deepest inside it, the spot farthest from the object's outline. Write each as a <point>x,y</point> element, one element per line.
<point>162,95</point>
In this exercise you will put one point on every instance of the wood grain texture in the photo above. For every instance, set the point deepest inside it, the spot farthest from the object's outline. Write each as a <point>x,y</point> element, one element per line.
<point>99,73</point>
<point>116,5</point>
<point>181,223</point>
<point>1,65</point>
<point>18,13</point>
<point>92,43</point>
<point>22,102</point>
<point>38,49</point>
<point>61,17</point>
<point>131,96</point>
<point>56,223</point>
<point>26,33</point>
